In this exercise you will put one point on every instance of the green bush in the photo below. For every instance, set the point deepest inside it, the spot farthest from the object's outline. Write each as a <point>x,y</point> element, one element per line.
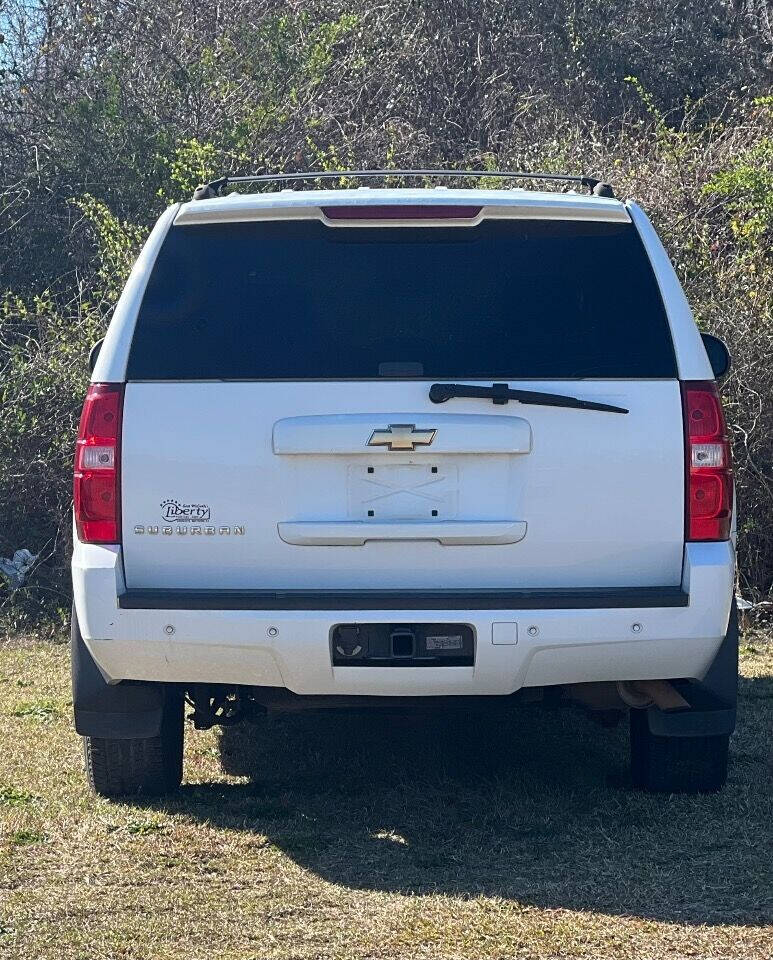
<point>108,113</point>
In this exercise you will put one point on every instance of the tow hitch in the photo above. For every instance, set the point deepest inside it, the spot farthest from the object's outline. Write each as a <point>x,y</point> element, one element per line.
<point>402,645</point>
<point>221,706</point>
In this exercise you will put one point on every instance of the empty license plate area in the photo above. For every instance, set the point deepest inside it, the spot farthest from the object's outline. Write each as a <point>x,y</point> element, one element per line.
<point>403,645</point>
<point>403,491</point>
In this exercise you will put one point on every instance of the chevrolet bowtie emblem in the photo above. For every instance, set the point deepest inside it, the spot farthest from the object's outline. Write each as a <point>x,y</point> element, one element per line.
<point>401,436</point>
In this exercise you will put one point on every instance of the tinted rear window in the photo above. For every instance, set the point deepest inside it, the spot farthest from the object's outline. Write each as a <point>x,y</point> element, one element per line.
<point>513,299</point>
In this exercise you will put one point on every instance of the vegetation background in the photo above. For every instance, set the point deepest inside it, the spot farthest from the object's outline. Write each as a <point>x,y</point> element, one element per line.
<point>112,109</point>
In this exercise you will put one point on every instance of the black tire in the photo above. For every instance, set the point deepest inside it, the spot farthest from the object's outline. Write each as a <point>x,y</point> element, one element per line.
<point>676,764</point>
<point>148,767</point>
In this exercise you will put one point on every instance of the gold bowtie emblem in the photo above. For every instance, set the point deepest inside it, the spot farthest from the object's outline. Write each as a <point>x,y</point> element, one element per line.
<point>401,436</point>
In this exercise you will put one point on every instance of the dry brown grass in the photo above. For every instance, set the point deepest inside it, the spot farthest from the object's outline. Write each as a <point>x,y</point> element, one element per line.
<point>363,837</point>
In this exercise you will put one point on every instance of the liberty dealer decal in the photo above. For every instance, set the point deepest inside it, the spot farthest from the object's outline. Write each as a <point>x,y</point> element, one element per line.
<point>187,519</point>
<point>175,512</point>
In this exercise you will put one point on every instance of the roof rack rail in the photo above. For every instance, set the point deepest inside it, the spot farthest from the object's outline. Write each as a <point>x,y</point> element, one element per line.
<point>214,188</point>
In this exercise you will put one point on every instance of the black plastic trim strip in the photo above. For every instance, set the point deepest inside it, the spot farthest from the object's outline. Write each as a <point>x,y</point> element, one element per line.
<point>593,598</point>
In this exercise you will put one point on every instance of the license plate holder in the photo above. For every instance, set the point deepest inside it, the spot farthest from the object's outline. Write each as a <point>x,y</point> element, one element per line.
<point>403,491</point>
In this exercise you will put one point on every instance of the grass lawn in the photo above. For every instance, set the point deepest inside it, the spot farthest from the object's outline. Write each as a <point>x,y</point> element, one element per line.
<point>368,837</point>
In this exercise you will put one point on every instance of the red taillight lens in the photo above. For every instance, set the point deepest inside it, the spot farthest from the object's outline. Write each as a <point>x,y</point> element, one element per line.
<point>709,485</point>
<point>97,464</point>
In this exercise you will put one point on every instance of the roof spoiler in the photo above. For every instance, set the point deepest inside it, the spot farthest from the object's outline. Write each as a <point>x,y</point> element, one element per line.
<point>215,188</point>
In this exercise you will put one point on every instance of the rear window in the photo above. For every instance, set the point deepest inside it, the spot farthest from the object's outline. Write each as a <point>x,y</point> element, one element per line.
<point>513,299</point>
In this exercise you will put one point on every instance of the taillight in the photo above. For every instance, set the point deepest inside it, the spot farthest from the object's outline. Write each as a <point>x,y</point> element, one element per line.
<point>402,212</point>
<point>709,477</point>
<point>96,490</point>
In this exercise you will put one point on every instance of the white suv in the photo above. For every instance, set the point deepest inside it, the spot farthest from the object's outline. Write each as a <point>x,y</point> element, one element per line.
<point>353,444</point>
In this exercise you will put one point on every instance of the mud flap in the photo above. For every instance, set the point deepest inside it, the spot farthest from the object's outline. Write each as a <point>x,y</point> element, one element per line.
<point>128,710</point>
<point>712,700</point>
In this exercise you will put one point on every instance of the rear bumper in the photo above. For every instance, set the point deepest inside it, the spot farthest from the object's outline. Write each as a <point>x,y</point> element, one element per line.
<point>267,640</point>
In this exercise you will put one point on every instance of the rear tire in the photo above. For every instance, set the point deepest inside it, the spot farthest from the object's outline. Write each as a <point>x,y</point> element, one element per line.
<point>149,766</point>
<point>676,764</point>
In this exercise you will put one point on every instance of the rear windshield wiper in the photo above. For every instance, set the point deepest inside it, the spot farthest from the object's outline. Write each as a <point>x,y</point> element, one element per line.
<point>502,393</point>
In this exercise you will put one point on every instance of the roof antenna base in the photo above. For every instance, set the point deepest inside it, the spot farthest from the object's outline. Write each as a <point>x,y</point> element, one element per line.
<point>603,190</point>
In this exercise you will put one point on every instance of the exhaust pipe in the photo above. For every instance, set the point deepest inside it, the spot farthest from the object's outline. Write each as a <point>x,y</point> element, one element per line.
<point>641,694</point>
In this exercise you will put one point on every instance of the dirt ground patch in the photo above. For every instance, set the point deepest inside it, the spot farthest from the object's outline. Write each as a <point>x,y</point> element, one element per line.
<point>371,837</point>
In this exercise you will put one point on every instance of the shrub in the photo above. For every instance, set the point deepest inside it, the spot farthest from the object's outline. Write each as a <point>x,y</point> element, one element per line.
<point>108,113</point>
